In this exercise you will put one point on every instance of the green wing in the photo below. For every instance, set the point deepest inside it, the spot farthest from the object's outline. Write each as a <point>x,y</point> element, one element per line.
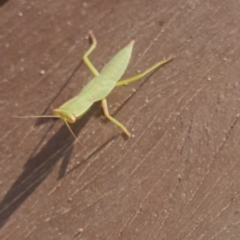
<point>102,85</point>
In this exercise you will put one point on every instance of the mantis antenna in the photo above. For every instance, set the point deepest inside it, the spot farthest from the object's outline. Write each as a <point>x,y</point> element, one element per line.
<point>36,116</point>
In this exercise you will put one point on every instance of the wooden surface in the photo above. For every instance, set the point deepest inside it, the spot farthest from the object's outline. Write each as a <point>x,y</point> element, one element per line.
<point>178,178</point>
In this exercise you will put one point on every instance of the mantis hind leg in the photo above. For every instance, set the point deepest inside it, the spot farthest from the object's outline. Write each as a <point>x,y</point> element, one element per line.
<point>115,121</point>
<point>85,57</point>
<point>141,75</point>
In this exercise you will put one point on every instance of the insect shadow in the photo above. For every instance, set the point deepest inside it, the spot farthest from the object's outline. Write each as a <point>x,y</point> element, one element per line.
<point>2,2</point>
<point>38,167</point>
<point>42,162</point>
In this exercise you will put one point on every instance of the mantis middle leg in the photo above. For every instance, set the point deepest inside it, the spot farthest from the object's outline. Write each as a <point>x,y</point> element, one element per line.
<point>85,57</point>
<point>141,75</point>
<point>112,119</point>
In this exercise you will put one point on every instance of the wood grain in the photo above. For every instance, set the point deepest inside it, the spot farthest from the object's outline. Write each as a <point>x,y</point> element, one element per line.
<point>177,178</point>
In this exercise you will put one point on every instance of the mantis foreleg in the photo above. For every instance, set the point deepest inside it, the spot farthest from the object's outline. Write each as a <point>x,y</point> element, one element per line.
<point>115,121</point>
<point>141,75</point>
<point>85,57</point>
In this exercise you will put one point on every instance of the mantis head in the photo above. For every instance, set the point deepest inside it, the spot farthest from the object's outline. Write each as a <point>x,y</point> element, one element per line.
<point>65,115</point>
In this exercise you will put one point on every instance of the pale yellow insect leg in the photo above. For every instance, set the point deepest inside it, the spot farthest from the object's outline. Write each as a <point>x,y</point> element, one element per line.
<point>141,75</point>
<point>107,115</point>
<point>85,57</point>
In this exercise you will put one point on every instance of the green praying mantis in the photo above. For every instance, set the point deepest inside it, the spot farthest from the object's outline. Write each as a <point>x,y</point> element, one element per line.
<point>100,86</point>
